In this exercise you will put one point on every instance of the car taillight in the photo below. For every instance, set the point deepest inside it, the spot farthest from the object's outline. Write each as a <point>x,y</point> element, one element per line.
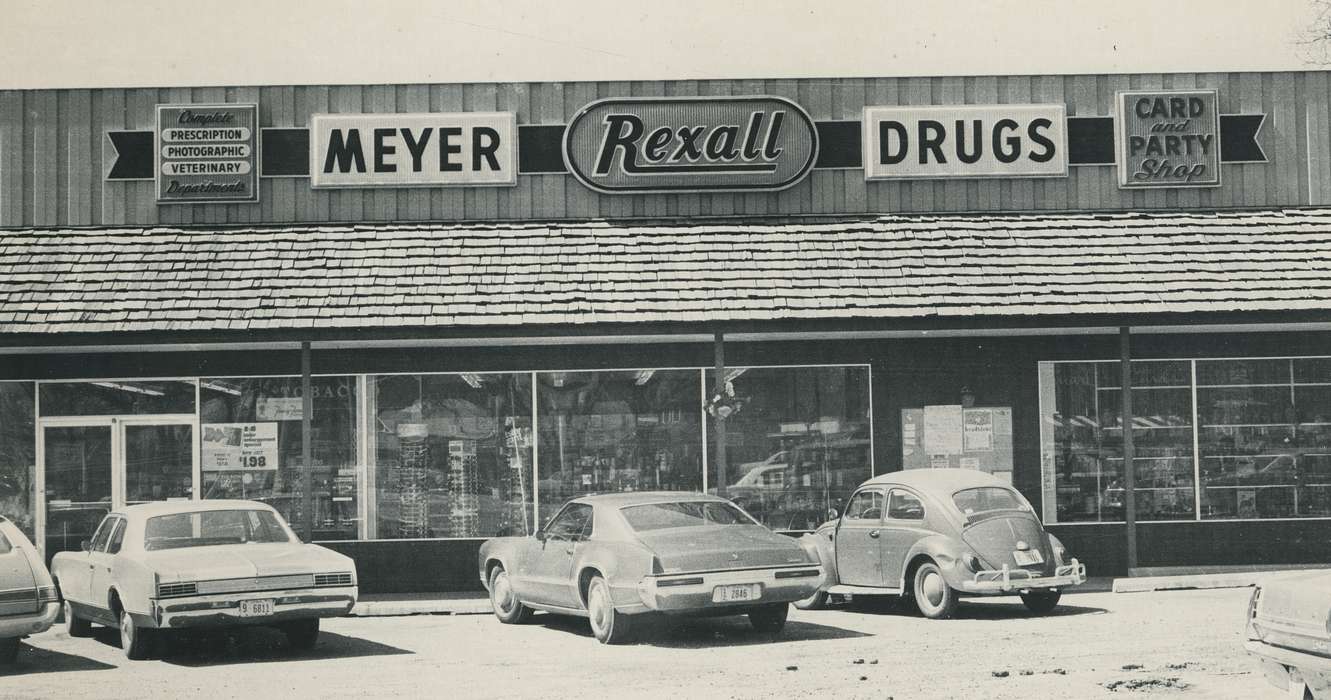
<point>1252,603</point>
<point>971,561</point>
<point>47,594</point>
<point>657,567</point>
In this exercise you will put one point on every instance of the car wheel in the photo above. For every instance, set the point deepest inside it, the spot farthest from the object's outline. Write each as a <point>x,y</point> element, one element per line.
<point>608,624</point>
<point>770,619</point>
<point>934,598</point>
<point>1041,601</point>
<point>135,641</point>
<point>504,601</point>
<point>302,634</point>
<point>817,601</point>
<point>8,650</point>
<point>75,626</point>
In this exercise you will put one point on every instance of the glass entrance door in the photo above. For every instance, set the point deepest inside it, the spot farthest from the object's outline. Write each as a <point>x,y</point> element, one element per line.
<point>79,466</point>
<point>94,465</point>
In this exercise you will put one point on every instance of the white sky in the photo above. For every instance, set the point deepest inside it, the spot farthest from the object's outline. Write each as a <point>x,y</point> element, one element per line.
<point>105,43</point>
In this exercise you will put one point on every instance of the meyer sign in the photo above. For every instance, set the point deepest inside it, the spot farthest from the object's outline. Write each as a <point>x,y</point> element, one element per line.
<point>684,144</point>
<point>965,141</point>
<point>1168,139</point>
<point>398,150</point>
<point>206,153</point>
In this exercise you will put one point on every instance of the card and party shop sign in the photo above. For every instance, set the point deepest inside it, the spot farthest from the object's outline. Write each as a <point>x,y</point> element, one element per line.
<point>1168,139</point>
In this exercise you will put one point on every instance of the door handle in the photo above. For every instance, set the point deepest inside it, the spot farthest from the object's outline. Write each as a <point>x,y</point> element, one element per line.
<point>873,534</point>
<point>568,551</point>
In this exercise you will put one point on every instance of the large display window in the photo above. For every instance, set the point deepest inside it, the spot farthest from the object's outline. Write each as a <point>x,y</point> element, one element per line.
<point>451,455</point>
<point>1214,439</point>
<point>18,454</point>
<point>251,447</point>
<point>617,430</point>
<point>798,445</point>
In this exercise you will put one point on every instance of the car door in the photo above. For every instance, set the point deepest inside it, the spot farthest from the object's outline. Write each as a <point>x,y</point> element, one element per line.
<point>549,568</point>
<point>858,555</point>
<point>102,557</point>
<point>76,579</point>
<point>903,526</point>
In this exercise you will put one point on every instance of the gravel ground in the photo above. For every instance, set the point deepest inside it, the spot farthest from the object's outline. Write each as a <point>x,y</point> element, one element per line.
<point>1185,644</point>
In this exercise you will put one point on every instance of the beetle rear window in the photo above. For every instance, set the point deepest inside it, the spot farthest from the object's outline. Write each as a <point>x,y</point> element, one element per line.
<point>662,516</point>
<point>986,498</point>
<point>211,527</point>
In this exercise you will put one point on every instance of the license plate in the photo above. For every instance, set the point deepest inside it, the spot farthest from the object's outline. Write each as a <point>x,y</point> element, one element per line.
<point>256,608</point>
<point>737,592</point>
<point>1028,557</point>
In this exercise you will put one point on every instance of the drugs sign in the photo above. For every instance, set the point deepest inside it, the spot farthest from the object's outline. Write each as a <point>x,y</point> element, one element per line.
<point>932,141</point>
<point>690,144</point>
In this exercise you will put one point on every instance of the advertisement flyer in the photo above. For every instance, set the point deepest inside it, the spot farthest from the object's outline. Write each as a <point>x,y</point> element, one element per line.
<point>239,446</point>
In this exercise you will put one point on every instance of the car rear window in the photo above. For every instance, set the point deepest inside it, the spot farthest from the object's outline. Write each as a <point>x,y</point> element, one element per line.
<point>987,498</point>
<point>663,516</point>
<point>5,546</point>
<point>211,527</point>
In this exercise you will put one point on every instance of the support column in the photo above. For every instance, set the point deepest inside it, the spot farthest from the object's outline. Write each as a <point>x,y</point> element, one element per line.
<point>307,473</point>
<point>1129,470</point>
<point>719,389</point>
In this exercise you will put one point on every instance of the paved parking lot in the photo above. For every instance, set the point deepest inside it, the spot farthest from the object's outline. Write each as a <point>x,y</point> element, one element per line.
<point>1184,644</point>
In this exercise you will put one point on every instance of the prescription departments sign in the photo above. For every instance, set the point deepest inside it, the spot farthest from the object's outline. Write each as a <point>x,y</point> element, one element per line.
<point>207,153</point>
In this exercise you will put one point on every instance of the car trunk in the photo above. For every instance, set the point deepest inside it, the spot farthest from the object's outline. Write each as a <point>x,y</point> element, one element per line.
<point>233,561</point>
<point>996,538</point>
<point>1295,606</point>
<point>18,583</point>
<point>712,548</point>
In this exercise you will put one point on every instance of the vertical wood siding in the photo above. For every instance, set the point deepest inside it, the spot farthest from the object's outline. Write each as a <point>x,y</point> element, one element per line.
<point>54,153</point>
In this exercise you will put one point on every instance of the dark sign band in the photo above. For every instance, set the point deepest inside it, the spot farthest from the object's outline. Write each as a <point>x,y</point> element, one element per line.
<point>285,150</point>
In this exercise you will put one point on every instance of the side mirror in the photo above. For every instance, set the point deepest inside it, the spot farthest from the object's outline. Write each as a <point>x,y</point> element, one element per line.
<point>832,513</point>
<point>539,535</point>
<point>85,545</point>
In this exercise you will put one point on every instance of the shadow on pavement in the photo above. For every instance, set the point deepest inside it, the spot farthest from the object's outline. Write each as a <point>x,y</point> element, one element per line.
<point>33,660</point>
<point>245,645</point>
<point>969,609</point>
<point>687,632</point>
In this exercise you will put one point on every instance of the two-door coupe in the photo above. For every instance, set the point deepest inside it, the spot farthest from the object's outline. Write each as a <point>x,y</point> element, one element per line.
<point>177,564</point>
<point>933,535</point>
<point>615,557</point>
<point>1289,631</point>
<point>28,601</point>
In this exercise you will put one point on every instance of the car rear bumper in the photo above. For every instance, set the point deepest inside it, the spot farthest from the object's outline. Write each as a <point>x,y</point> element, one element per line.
<point>29,623</point>
<point>1005,580</point>
<point>1283,666</point>
<point>224,610</point>
<point>696,591</point>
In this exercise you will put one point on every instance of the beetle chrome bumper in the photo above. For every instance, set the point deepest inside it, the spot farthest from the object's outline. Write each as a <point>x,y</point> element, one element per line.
<point>224,609</point>
<point>694,591</point>
<point>1008,580</point>
<point>25,624</point>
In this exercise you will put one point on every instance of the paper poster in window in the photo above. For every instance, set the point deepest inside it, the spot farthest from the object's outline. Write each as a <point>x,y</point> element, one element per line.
<point>238,446</point>
<point>978,430</point>
<point>942,429</point>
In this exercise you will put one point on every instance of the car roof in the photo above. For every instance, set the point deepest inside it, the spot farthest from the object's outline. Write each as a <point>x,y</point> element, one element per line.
<point>950,480</point>
<point>631,498</point>
<point>148,510</point>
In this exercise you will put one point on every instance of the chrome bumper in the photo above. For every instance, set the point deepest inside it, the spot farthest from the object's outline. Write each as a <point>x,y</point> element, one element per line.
<point>29,623</point>
<point>1283,666</point>
<point>1008,580</point>
<point>694,591</point>
<point>223,609</point>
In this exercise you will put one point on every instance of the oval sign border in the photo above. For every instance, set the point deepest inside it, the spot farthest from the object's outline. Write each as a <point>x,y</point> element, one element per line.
<point>796,108</point>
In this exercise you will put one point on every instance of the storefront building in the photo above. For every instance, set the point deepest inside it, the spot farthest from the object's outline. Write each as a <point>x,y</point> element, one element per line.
<point>413,317</point>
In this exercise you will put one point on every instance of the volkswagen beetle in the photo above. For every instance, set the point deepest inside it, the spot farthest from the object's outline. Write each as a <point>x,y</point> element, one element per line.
<point>934,535</point>
<point>614,558</point>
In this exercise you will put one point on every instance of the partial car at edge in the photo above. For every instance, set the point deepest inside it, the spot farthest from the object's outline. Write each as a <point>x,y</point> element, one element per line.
<point>28,600</point>
<point>616,557</point>
<point>185,564</point>
<point>1288,629</point>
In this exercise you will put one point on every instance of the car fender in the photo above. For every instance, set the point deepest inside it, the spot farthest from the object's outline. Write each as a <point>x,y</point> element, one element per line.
<point>495,550</point>
<point>945,551</point>
<point>63,571</point>
<point>135,583</point>
<point>821,544</point>
<point>621,564</point>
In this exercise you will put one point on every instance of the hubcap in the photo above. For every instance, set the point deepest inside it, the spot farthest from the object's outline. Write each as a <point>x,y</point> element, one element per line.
<point>503,593</point>
<point>599,614</point>
<point>126,631</point>
<point>931,585</point>
<point>68,611</point>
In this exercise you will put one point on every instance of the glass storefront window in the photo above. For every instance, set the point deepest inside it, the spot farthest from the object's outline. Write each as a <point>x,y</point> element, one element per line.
<point>452,456</point>
<point>18,449</point>
<point>799,444</point>
<point>618,430</point>
<point>250,444</point>
<point>117,397</point>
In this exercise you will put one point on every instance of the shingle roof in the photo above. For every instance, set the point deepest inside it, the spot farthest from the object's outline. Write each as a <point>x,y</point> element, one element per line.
<point>353,277</point>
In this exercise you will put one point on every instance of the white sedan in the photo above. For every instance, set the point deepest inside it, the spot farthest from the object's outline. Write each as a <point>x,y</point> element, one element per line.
<point>28,602</point>
<point>189,564</point>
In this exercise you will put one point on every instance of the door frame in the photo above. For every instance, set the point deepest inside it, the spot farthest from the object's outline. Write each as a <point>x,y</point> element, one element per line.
<point>117,425</point>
